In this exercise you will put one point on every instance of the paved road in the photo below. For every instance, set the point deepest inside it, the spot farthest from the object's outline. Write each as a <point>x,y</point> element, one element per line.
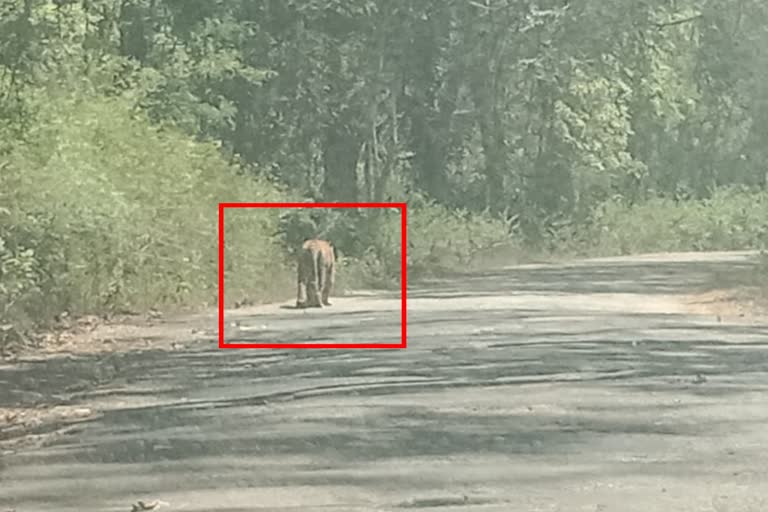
<point>580,387</point>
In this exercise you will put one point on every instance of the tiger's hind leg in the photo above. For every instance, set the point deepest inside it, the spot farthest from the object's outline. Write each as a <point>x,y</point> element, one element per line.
<point>329,281</point>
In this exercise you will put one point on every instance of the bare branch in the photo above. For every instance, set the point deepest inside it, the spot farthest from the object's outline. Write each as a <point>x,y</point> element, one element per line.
<point>678,22</point>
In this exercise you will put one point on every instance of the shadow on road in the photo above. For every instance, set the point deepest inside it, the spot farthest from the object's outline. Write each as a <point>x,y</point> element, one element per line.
<point>218,414</point>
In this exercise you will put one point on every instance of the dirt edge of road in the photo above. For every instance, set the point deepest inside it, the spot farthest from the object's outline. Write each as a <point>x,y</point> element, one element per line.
<point>36,420</point>
<point>736,305</point>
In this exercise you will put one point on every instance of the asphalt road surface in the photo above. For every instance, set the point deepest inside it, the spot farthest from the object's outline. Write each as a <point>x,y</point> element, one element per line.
<point>580,387</point>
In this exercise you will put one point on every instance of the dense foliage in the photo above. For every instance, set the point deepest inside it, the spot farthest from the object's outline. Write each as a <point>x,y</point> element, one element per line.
<point>554,122</point>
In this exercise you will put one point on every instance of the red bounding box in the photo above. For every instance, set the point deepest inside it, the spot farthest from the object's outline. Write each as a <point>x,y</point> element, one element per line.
<point>403,315</point>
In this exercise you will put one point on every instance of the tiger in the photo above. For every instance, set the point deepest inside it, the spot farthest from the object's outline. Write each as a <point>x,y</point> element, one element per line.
<point>316,274</point>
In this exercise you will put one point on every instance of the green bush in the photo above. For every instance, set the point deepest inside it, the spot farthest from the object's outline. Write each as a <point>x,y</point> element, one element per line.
<point>439,239</point>
<point>257,267</point>
<point>369,242</point>
<point>732,219</point>
<point>103,211</point>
